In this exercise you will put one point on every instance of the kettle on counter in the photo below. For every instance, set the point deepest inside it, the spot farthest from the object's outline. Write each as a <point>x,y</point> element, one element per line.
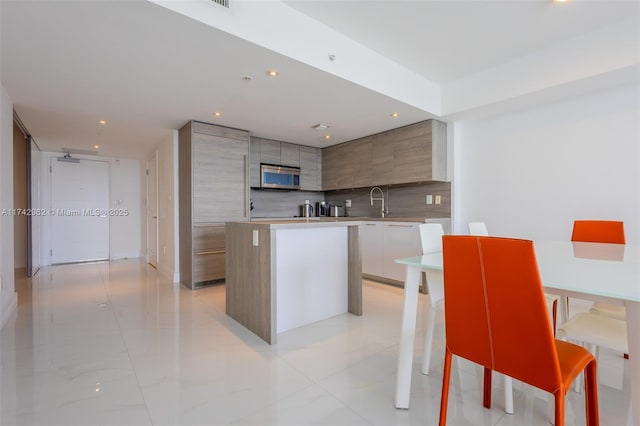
<point>307,209</point>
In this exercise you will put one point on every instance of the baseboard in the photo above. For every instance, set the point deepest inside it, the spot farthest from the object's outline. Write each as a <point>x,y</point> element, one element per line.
<point>125,256</point>
<point>7,311</point>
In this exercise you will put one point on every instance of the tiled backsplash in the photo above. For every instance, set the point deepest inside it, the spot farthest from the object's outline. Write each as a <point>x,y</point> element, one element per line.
<point>279,203</point>
<point>401,201</point>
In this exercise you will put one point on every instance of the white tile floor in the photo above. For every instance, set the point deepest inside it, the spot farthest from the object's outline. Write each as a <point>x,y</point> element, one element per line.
<point>118,344</point>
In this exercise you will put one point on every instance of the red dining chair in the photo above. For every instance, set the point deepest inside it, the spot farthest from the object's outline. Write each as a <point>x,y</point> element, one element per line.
<point>496,316</point>
<point>598,231</point>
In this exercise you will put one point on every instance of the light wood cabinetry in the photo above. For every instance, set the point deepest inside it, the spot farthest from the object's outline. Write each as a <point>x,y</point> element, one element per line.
<point>413,152</point>
<point>214,188</point>
<point>410,154</point>
<point>310,168</point>
<point>330,168</point>
<point>267,151</point>
<point>362,161</point>
<point>208,252</point>
<point>346,162</point>
<point>289,154</point>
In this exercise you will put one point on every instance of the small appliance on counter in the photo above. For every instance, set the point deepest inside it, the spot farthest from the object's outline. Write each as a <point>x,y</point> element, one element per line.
<point>307,209</point>
<point>322,209</point>
<point>336,210</point>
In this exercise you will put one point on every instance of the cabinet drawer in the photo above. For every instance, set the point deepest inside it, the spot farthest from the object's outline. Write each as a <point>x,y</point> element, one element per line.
<point>208,237</point>
<point>208,265</point>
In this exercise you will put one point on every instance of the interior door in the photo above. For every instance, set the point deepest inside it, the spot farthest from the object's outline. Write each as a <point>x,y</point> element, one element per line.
<point>79,210</point>
<point>152,210</point>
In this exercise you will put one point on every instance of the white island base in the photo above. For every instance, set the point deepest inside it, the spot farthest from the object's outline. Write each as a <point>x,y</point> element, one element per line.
<point>283,275</point>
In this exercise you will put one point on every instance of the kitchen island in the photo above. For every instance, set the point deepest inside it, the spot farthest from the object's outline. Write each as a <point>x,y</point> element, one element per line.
<point>285,274</point>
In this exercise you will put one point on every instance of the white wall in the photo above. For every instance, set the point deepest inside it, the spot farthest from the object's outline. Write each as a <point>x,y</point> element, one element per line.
<point>8,297</point>
<point>530,173</point>
<point>124,193</point>
<point>168,259</point>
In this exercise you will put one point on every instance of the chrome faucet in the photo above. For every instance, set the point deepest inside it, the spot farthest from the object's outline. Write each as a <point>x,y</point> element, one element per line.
<point>381,199</point>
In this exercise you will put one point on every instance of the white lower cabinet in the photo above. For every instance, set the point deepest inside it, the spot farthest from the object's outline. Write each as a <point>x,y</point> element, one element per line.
<point>372,252</point>
<point>383,242</point>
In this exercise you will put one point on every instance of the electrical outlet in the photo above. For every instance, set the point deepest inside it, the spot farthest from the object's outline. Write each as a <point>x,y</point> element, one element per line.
<point>347,203</point>
<point>438,199</point>
<point>429,199</point>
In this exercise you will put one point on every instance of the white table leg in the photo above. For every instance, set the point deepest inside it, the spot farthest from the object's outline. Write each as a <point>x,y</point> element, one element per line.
<point>633,338</point>
<point>407,336</point>
<point>508,395</point>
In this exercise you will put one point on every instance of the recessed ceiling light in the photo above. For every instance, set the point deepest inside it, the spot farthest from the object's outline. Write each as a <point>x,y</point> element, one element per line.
<point>96,146</point>
<point>103,122</point>
<point>395,115</point>
<point>217,114</point>
<point>272,73</point>
<point>327,136</point>
<point>560,1</point>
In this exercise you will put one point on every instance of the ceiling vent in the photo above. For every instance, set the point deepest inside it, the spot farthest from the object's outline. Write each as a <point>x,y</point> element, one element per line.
<point>223,3</point>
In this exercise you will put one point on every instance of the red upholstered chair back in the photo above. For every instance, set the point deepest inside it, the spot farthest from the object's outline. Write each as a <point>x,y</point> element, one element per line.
<point>495,308</point>
<point>598,231</point>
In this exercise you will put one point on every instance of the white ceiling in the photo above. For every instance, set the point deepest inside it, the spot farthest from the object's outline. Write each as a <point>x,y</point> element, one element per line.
<point>146,69</point>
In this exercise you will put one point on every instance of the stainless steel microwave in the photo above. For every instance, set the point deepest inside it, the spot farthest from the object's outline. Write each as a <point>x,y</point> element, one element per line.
<point>279,177</point>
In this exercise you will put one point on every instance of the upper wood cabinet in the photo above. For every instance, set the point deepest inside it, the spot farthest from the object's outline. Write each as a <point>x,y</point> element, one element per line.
<point>267,151</point>
<point>362,162</point>
<point>419,152</point>
<point>330,168</point>
<point>381,159</point>
<point>289,154</point>
<point>310,168</point>
<point>410,154</point>
<point>346,160</point>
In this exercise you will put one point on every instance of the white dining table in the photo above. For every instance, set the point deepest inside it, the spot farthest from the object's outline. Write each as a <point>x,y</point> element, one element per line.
<point>592,271</point>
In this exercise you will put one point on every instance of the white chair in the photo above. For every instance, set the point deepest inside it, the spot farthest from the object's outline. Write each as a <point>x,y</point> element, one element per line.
<point>478,228</point>
<point>431,239</point>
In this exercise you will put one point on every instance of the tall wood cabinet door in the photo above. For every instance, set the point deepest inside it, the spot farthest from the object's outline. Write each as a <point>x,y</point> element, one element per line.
<point>220,178</point>
<point>382,158</point>
<point>345,166</point>
<point>412,153</point>
<point>289,154</point>
<point>309,168</point>
<point>362,156</point>
<point>329,168</point>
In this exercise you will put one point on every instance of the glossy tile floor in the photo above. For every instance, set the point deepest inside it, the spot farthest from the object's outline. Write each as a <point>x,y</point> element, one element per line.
<point>118,344</point>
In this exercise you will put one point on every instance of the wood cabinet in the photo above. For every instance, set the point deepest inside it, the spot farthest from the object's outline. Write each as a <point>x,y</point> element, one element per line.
<point>208,252</point>
<point>213,188</point>
<point>310,168</point>
<point>417,153</point>
<point>410,154</point>
<point>381,159</point>
<point>330,168</point>
<point>362,162</point>
<point>289,154</point>
<point>267,151</point>
<point>345,171</point>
